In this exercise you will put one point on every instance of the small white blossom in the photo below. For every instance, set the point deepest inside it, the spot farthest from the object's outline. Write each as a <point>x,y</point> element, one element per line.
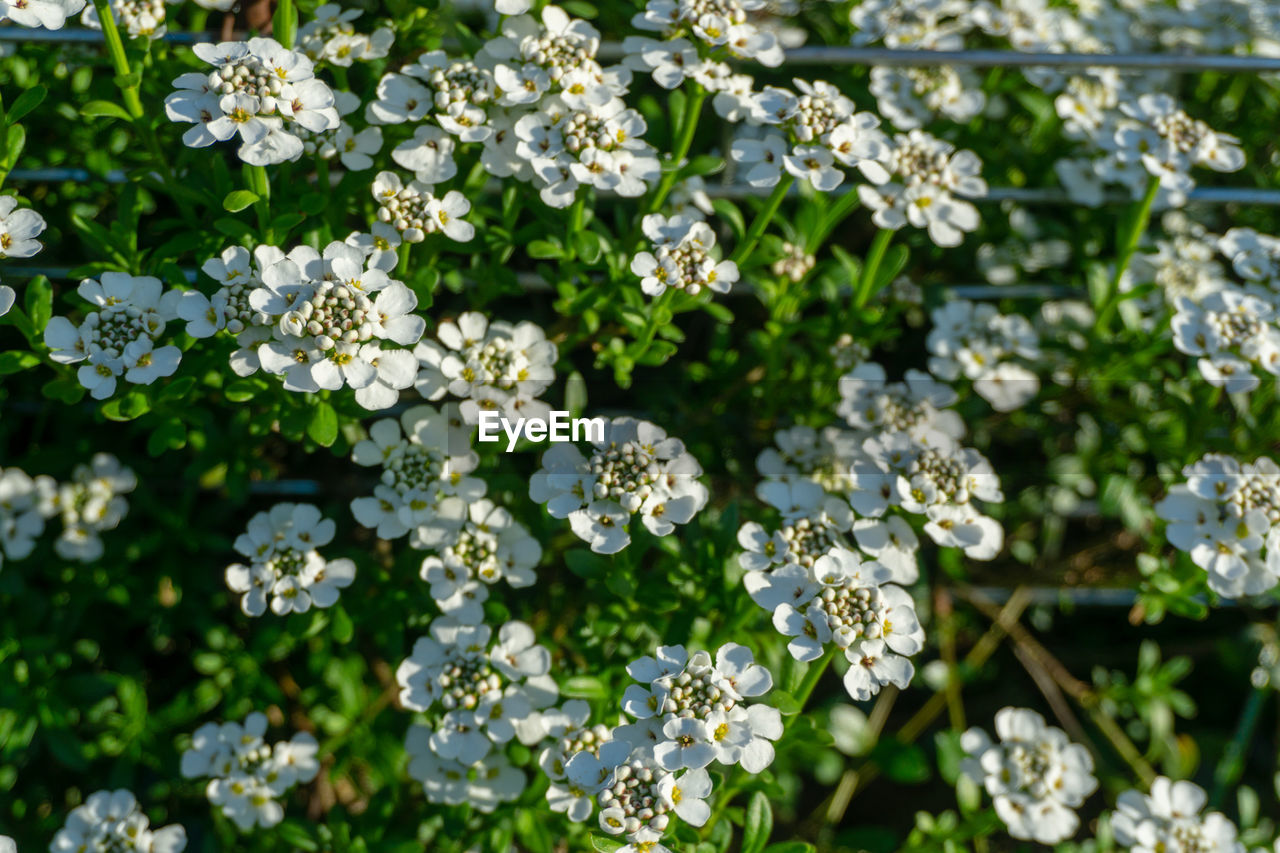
<point>112,820</point>
<point>1034,774</point>
<point>285,570</point>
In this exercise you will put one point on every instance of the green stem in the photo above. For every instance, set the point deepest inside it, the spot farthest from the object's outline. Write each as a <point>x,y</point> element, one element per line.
<point>843,207</point>
<point>285,24</point>
<point>129,87</point>
<point>1231,766</point>
<point>688,126</point>
<point>762,220</point>
<point>812,676</point>
<point>119,60</point>
<point>1137,227</point>
<point>871,267</point>
<point>260,184</point>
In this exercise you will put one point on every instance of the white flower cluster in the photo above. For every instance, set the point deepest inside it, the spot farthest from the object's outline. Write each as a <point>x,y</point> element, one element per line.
<point>1169,818</point>
<point>838,599</point>
<point>925,186</point>
<point>570,732</point>
<point>246,775</point>
<point>49,14</point>
<point>140,18</point>
<point>424,489</point>
<point>492,366</point>
<point>112,820</point>
<point>330,37</point>
<point>1224,516</point>
<point>535,97</point>
<point>285,570</point>
<point>902,452</point>
<point>19,229</point>
<point>913,97</point>
<point>990,349</point>
<point>91,502</point>
<point>1131,138</point>
<point>255,89</point>
<point>691,711</point>
<point>719,29</point>
<point>483,696</point>
<point>806,135</point>
<point>319,319</point>
<point>681,258</point>
<point>1035,775</point>
<point>634,468</point>
<point>414,211</point>
<point>489,546</point>
<point>25,502</point>
<point>119,338</point>
<point>354,150</point>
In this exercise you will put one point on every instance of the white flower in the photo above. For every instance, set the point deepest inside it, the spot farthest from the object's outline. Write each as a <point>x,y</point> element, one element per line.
<point>987,347</point>
<point>285,570</point>
<point>255,89</point>
<point>1225,516</point>
<point>491,365</point>
<point>685,795</point>
<point>429,155</point>
<point>1034,774</point>
<point>415,212</point>
<point>925,179</point>
<point>245,774</point>
<point>424,487</point>
<point>681,258</point>
<point>112,820</point>
<point>120,335</point>
<point>19,229</point>
<point>331,37</point>
<point>1168,142</point>
<point>50,14</point>
<point>1169,818</point>
<point>635,468</point>
<point>140,18</point>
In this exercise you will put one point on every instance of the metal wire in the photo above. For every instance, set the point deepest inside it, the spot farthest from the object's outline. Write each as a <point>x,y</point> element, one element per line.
<point>828,55</point>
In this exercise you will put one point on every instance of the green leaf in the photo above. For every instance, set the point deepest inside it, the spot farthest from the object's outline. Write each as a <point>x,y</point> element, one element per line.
<point>758,825</point>
<point>545,250</point>
<point>15,361</point>
<point>586,245</point>
<point>585,564</point>
<point>729,212</point>
<point>25,103</point>
<point>295,834</point>
<point>341,626</point>
<point>39,303</point>
<point>605,844</point>
<point>585,687</point>
<point>323,426</point>
<point>66,391</point>
<point>127,408</point>
<point>238,200</point>
<point>575,394</point>
<point>790,847</point>
<point>241,390</point>
<point>170,435</point>
<point>105,109</point>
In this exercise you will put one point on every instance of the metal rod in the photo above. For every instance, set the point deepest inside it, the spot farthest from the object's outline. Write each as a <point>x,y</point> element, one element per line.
<point>738,192</point>
<point>827,55</point>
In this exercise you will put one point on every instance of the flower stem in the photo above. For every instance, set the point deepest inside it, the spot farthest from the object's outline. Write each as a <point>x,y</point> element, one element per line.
<point>129,83</point>
<point>1137,226</point>
<point>119,60</point>
<point>762,220</point>
<point>812,676</point>
<point>688,126</point>
<point>871,267</point>
<point>285,24</point>
<point>260,184</point>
